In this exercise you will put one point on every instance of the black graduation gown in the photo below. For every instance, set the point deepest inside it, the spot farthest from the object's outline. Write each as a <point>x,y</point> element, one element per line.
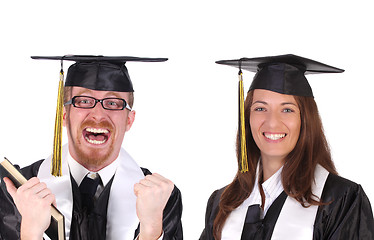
<point>349,216</point>
<point>10,219</point>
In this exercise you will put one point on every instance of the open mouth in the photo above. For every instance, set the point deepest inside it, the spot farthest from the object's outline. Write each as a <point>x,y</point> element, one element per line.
<point>274,136</point>
<point>96,136</point>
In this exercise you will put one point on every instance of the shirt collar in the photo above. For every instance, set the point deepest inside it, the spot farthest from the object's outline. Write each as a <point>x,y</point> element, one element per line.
<point>255,196</point>
<point>79,172</point>
<point>272,188</point>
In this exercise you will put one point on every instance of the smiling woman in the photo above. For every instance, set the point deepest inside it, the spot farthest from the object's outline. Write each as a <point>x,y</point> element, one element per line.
<point>275,125</point>
<point>290,169</point>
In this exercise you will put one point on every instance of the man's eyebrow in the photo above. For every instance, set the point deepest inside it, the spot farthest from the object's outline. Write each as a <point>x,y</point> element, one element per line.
<point>84,91</point>
<point>113,94</point>
<point>108,94</point>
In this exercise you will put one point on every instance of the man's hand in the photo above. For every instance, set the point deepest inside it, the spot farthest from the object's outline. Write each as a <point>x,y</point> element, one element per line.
<point>33,200</point>
<point>152,193</point>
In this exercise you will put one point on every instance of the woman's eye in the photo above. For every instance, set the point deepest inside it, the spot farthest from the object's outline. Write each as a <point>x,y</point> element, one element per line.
<point>259,109</point>
<point>288,110</point>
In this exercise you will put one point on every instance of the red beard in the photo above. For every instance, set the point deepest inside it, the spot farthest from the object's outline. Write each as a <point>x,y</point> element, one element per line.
<point>91,156</point>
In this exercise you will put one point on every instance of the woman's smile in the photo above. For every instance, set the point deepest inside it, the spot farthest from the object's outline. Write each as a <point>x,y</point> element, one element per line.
<point>274,137</point>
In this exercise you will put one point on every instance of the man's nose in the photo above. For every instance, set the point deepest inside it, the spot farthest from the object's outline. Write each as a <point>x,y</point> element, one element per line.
<point>98,111</point>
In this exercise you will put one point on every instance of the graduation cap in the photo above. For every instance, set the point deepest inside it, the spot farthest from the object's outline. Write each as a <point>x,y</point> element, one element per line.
<point>283,74</point>
<point>104,73</point>
<point>99,72</point>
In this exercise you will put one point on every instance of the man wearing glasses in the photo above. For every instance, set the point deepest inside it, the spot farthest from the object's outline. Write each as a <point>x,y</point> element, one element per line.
<point>102,193</point>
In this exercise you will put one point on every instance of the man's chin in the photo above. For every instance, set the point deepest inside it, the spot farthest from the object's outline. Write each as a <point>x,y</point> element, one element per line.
<point>94,157</point>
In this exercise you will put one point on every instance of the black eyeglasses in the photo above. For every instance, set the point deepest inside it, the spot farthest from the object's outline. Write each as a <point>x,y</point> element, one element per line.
<point>106,103</point>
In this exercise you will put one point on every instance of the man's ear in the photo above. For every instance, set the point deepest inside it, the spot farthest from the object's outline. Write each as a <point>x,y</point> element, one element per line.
<point>64,117</point>
<point>130,120</point>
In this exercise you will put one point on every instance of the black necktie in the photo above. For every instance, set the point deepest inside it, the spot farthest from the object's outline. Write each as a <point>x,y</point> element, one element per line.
<point>262,229</point>
<point>253,214</point>
<point>91,225</point>
<point>253,224</point>
<point>88,189</point>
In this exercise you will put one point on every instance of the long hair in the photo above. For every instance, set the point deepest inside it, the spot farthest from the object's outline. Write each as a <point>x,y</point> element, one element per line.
<point>298,172</point>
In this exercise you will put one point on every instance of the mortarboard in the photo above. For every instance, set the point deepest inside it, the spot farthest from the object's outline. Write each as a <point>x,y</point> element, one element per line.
<point>105,73</point>
<point>282,74</point>
<point>99,72</point>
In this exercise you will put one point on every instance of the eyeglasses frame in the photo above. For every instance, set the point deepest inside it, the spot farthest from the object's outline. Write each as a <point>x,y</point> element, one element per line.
<point>71,101</point>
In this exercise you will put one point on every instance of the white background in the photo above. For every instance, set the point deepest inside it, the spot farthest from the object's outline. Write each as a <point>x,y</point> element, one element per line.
<point>187,107</point>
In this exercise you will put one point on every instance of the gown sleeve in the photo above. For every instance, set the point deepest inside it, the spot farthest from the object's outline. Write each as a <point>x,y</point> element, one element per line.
<point>172,224</point>
<point>10,219</point>
<point>210,214</point>
<point>349,216</point>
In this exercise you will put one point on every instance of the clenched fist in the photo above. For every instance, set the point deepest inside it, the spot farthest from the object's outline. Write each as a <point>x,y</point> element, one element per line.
<point>152,194</point>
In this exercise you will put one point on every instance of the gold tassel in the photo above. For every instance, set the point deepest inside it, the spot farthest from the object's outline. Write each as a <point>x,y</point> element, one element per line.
<point>56,159</point>
<point>243,146</point>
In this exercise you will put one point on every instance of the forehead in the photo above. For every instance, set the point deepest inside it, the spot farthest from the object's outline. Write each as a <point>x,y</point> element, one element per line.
<point>97,93</point>
<point>272,97</point>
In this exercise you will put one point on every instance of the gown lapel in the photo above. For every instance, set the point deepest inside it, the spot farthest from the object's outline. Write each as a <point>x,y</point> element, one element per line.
<point>60,187</point>
<point>295,221</point>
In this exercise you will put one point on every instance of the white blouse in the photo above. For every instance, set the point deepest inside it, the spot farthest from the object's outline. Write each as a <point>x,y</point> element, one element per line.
<point>272,189</point>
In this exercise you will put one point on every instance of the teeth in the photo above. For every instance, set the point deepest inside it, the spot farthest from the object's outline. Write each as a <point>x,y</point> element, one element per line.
<point>275,136</point>
<point>95,141</point>
<point>97,130</point>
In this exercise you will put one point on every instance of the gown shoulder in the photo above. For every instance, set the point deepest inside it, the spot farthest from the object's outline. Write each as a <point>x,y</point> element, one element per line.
<point>346,211</point>
<point>211,213</point>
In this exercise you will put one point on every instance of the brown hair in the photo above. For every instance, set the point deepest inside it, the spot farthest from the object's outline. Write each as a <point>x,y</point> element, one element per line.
<point>298,172</point>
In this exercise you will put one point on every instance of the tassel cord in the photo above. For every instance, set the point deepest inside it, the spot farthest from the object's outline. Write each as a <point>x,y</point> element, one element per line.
<point>57,140</point>
<point>243,145</point>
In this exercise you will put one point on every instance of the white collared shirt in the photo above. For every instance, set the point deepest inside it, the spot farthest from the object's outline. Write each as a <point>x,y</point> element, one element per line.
<point>272,189</point>
<point>79,172</point>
